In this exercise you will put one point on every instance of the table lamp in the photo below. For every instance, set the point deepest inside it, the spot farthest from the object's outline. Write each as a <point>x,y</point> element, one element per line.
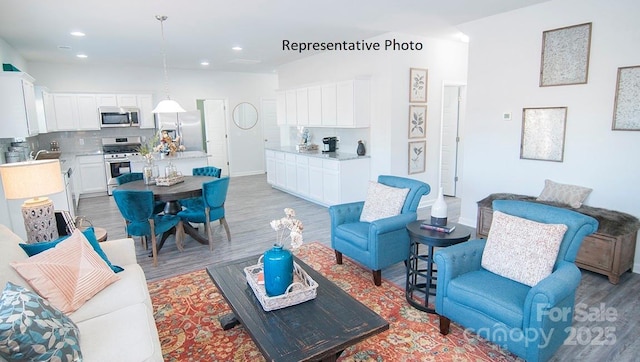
<point>34,180</point>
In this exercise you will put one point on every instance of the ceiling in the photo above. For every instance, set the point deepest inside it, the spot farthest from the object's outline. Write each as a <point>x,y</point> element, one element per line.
<point>126,32</point>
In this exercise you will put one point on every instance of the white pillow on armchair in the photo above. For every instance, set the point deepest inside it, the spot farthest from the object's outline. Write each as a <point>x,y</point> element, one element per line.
<point>382,201</point>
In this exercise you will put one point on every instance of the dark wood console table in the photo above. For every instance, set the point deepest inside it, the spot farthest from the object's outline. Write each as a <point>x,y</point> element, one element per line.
<point>608,251</point>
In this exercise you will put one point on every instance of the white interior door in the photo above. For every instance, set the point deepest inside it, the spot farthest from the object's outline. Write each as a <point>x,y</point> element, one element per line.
<point>215,116</point>
<point>270,129</point>
<point>451,100</point>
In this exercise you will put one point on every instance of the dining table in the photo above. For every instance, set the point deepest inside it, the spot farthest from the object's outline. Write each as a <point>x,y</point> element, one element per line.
<point>171,196</point>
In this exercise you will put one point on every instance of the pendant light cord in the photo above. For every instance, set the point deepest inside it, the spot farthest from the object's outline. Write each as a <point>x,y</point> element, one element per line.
<point>162,18</point>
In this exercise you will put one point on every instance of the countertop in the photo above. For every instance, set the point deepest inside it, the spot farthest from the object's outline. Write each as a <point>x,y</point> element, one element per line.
<point>176,157</point>
<point>338,156</point>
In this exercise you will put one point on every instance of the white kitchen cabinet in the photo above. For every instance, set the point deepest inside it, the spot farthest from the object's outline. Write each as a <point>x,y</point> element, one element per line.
<point>302,106</point>
<point>18,116</point>
<point>270,159</point>
<point>145,105</point>
<point>75,112</point>
<point>45,110</point>
<point>329,105</point>
<point>292,116</point>
<point>353,103</point>
<point>127,100</point>
<point>323,181</point>
<point>314,96</point>
<point>290,171</point>
<point>91,176</point>
<point>106,100</point>
<point>281,108</point>
<point>302,175</point>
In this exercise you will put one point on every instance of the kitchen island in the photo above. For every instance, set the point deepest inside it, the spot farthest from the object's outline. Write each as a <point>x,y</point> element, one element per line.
<point>324,178</point>
<point>184,161</point>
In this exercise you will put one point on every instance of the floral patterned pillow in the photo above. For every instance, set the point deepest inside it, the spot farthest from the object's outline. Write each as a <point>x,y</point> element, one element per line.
<point>33,330</point>
<point>520,249</point>
<point>382,201</point>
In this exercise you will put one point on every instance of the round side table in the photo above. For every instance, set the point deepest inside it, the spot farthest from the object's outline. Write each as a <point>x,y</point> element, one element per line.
<point>421,275</point>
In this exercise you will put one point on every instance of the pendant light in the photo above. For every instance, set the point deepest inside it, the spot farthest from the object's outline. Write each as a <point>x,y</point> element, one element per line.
<point>168,105</point>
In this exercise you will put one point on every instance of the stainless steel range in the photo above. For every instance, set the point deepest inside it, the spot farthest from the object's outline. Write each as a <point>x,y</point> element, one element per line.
<point>117,151</point>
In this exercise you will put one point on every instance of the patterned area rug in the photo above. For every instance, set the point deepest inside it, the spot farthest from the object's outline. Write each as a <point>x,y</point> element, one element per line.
<point>187,309</point>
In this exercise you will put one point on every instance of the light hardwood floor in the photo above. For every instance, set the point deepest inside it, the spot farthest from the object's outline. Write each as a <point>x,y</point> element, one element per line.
<point>251,204</point>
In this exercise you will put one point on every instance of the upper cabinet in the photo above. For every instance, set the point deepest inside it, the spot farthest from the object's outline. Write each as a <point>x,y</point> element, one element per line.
<point>74,112</point>
<point>18,115</point>
<point>342,105</point>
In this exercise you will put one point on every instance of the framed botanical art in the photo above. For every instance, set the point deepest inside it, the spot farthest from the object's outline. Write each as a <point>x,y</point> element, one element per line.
<point>418,85</point>
<point>417,156</point>
<point>417,121</point>
<point>626,111</point>
<point>565,55</point>
<point>543,132</point>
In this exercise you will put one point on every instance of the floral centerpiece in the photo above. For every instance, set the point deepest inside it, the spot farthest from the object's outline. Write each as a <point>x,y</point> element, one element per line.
<point>278,262</point>
<point>294,226</point>
<point>167,145</point>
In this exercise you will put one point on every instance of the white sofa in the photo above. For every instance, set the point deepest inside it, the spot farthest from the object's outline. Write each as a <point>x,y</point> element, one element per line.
<point>117,324</point>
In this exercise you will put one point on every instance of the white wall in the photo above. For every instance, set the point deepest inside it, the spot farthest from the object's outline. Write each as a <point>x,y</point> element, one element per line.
<point>389,73</point>
<point>504,68</point>
<point>9,55</point>
<point>246,155</point>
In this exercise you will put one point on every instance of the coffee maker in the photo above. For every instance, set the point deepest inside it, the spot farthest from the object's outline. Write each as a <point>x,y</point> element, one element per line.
<point>329,144</point>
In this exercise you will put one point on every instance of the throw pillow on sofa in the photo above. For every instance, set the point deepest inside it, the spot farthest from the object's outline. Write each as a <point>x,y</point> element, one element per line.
<point>32,330</point>
<point>89,233</point>
<point>520,249</point>
<point>382,201</point>
<point>67,275</point>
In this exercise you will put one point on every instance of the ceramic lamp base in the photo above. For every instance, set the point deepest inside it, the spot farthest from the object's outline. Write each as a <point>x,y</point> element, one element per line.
<point>39,220</point>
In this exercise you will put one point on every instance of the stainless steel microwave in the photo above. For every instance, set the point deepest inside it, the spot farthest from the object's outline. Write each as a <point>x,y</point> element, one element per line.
<point>119,117</point>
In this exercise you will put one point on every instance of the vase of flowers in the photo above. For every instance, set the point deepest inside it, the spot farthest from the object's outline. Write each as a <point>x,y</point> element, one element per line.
<point>278,261</point>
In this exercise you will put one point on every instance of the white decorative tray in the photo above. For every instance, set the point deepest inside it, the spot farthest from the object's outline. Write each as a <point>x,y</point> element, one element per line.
<point>168,181</point>
<point>301,290</point>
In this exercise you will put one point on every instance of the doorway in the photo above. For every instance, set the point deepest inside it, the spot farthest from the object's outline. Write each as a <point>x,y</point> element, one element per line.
<point>215,124</point>
<point>452,98</point>
<point>270,128</point>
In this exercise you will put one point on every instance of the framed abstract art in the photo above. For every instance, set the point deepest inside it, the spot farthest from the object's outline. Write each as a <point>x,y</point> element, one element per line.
<point>626,110</point>
<point>565,55</point>
<point>543,131</point>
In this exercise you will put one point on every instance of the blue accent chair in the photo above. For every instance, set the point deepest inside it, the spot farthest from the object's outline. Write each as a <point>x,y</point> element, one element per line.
<point>214,194</point>
<point>380,243</point>
<point>524,320</point>
<point>137,209</point>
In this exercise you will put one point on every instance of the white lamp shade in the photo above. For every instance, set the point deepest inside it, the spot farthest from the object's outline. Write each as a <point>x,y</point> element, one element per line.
<point>31,179</point>
<point>168,106</point>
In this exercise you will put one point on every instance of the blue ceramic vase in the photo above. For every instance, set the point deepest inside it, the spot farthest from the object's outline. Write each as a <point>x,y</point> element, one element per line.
<point>278,270</point>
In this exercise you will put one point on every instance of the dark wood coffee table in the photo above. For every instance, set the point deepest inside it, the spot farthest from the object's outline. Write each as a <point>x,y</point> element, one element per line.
<point>316,330</point>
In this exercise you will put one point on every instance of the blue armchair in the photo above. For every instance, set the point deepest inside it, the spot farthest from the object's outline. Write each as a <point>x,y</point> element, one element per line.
<point>196,202</point>
<point>531,322</point>
<point>380,243</point>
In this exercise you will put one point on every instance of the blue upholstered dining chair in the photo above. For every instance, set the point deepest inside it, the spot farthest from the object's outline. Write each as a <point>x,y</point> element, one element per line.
<point>530,321</point>
<point>128,177</point>
<point>214,194</point>
<point>137,209</point>
<point>196,202</point>
<point>380,243</point>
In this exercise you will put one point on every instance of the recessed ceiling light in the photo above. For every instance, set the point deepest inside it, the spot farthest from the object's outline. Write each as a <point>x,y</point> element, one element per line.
<point>77,33</point>
<point>80,55</point>
<point>204,62</point>
<point>237,48</point>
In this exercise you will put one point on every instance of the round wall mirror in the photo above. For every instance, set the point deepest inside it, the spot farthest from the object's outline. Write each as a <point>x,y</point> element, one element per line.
<point>245,115</point>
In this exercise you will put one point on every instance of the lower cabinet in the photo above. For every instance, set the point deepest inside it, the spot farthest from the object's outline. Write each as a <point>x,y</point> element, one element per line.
<point>91,174</point>
<point>318,179</point>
